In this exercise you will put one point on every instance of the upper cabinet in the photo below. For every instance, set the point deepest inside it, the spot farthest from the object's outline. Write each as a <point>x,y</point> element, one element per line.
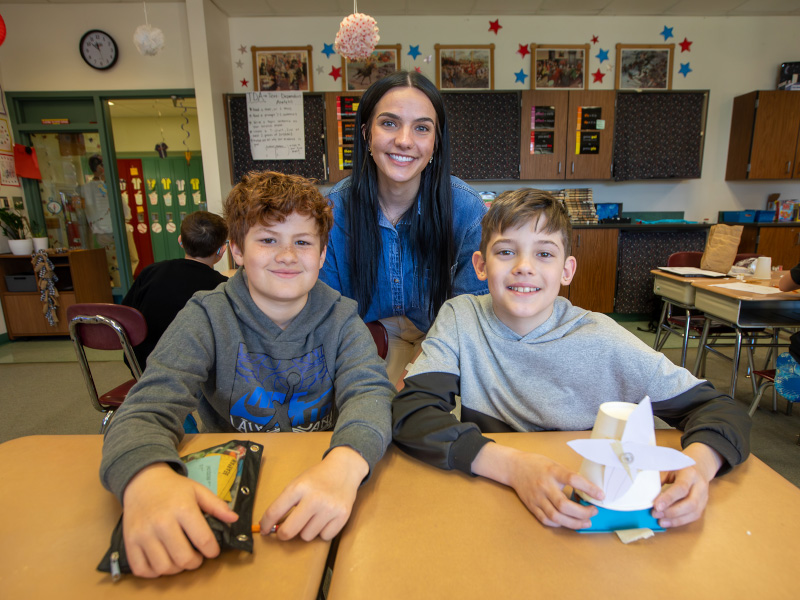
<point>764,134</point>
<point>566,134</point>
<point>659,134</point>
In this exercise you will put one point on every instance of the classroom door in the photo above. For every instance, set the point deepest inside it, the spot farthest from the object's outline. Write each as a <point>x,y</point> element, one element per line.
<point>131,188</point>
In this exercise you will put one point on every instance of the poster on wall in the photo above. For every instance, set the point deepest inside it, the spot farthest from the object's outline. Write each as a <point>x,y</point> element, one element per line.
<point>5,137</point>
<point>8,174</point>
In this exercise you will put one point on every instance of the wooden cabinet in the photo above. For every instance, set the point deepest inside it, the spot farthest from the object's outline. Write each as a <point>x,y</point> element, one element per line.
<point>595,281</point>
<point>782,244</point>
<point>764,135</point>
<point>557,136</point>
<point>82,277</point>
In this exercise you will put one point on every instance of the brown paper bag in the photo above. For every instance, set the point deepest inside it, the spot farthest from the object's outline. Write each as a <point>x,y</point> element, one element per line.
<point>721,248</point>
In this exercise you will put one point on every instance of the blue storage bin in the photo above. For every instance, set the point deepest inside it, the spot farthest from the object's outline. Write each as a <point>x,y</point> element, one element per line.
<point>765,216</point>
<point>738,216</point>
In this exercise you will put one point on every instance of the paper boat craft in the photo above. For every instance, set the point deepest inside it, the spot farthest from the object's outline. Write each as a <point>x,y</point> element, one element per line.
<point>622,458</point>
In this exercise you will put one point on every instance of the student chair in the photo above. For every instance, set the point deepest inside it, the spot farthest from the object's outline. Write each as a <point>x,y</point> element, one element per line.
<point>106,327</point>
<point>785,379</point>
<point>380,337</point>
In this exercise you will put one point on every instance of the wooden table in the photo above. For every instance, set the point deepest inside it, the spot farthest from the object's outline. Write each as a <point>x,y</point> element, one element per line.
<point>56,521</point>
<point>419,532</point>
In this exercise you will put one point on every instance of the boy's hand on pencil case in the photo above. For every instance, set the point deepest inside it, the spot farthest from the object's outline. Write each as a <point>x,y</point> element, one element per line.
<point>163,519</point>
<point>320,499</point>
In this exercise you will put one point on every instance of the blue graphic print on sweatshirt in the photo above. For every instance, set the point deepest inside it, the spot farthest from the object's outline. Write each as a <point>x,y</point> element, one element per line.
<point>293,394</point>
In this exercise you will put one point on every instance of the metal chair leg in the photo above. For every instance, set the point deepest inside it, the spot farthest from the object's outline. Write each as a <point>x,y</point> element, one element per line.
<point>757,399</point>
<point>701,349</point>
<point>664,304</point>
<point>736,353</point>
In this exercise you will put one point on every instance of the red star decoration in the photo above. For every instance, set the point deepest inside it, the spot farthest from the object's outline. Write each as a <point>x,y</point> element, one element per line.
<point>495,26</point>
<point>418,69</point>
<point>336,72</point>
<point>685,45</point>
<point>523,50</point>
<point>598,76</point>
<point>244,82</point>
<point>595,39</point>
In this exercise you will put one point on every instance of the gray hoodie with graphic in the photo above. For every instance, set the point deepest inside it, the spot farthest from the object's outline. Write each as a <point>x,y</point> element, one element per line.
<point>243,374</point>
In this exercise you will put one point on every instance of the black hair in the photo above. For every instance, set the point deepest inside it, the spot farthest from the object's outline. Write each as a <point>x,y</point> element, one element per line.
<point>203,233</point>
<point>431,226</point>
<point>94,161</point>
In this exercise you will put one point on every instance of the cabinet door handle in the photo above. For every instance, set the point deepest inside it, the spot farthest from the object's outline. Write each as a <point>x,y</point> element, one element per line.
<point>788,166</point>
<point>578,245</point>
<point>559,167</point>
<point>573,166</point>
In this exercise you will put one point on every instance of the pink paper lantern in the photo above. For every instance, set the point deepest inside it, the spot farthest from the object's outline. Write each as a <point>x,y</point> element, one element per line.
<point>2,30</point>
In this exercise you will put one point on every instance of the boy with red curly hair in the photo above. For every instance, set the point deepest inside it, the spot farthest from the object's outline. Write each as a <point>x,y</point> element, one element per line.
<point>272,349</point>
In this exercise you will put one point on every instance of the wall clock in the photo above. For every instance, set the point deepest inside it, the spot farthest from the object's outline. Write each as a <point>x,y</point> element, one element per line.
<point>99,49</point>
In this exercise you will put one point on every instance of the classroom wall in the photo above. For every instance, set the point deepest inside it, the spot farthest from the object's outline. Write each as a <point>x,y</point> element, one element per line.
<point>729,56</point>
<point>140,135</point>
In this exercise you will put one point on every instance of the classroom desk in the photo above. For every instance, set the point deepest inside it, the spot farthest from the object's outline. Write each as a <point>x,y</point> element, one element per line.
<point>742,311</point>
<point>56,522</point>
<point>679,292</point>
<point>419,532</point>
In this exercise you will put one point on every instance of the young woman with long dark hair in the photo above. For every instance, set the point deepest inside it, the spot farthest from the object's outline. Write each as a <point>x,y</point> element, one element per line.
<point>404,228</point>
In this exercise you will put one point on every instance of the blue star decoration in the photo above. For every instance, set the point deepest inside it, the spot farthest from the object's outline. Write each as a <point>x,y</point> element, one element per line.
<point>327,50</point>
<point>413,51</point>
<point>520,76</point>
<point>684,70</point>
<point>602,55</point>
<point>667,33</point>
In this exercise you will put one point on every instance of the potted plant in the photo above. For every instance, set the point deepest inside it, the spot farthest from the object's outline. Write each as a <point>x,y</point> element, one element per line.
<point>40,239</point>
<point>14,227</point>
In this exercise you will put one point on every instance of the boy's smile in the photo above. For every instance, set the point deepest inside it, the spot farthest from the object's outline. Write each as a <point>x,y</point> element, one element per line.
<point>282,263</point>
<point>525,268</point>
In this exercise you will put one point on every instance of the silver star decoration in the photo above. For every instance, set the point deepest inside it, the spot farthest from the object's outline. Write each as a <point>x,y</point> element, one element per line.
<point>243,49</point>
<point>320,70</point>
<point>239,64</point>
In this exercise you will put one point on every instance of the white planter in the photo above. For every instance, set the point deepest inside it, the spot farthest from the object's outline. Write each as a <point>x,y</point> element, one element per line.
<point>21,247</point>
<point>41,243</point>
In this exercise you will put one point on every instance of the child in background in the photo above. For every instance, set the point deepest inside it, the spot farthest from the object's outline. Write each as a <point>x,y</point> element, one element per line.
<point>272,349</point>
<point>524,359</point>
<point>163,289</point>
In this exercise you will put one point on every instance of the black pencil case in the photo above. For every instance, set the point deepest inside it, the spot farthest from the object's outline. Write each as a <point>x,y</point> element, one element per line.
<point>237,488</point>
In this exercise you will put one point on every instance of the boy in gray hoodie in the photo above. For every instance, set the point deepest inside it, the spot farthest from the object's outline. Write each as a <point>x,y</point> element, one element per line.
<point>272,349</point>
<point>523,358</point>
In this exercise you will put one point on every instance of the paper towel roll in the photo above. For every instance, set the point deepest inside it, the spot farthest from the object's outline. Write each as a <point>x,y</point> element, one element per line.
<point>763,267</point>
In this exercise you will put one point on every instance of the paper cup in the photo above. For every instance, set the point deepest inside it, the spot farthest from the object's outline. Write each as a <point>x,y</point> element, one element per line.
<point>763,267</point>
<point>609,425</point>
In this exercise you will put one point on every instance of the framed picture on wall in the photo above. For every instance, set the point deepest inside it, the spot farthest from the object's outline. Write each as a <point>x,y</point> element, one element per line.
<point>360,74</point>
<point>468,67</point>
<point>559,66</point>
<point>8,173</point>
<point>644,67</point>
<point>282,68</point>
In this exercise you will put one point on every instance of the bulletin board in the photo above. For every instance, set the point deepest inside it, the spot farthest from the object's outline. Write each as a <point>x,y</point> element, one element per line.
<point>659,135</point>
<point>484,134</point>
<point>314,165</point>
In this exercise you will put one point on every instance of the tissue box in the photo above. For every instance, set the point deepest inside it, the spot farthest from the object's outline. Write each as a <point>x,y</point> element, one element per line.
<point>21,283</point>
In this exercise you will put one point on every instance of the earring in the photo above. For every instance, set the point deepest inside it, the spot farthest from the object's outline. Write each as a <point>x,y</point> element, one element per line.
<point>370,151</point>
<point>430,162</point>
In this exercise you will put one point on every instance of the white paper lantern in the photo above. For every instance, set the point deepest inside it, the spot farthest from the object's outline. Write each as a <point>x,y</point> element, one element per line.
<point>149,40</point>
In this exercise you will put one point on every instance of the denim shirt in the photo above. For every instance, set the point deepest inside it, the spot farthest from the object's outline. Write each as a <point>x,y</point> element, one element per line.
<point>398,286</point>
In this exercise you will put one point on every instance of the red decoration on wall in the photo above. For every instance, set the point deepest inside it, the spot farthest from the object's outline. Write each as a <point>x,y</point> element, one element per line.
<point>336,72</point>
<point>598,76</point>
<point>595,39</point>
<point>523,50</point>
<point>2,30</point>
<point>418,69</point>
<point>495,26</point>
<point>244,82</point>
<point>685,45</point>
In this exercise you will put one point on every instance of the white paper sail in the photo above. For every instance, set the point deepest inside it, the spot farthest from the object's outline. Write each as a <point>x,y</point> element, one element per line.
<point>623,459</point>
